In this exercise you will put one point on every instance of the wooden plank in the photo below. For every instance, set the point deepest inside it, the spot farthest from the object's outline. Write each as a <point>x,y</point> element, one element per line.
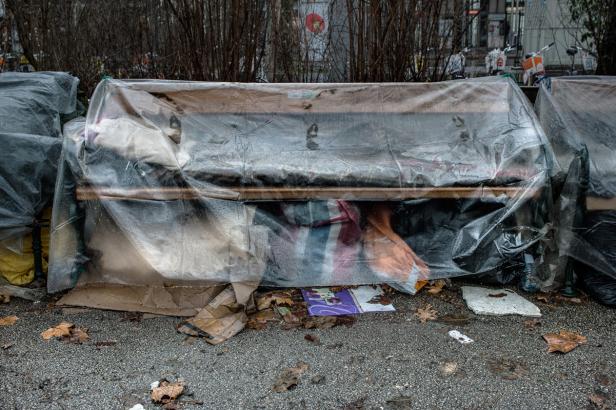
<point>600,204</point>
<point>294,193</point>
<point>345,98</point>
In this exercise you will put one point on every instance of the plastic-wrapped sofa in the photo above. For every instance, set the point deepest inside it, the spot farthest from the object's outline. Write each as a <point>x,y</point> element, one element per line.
<point>169,183</point>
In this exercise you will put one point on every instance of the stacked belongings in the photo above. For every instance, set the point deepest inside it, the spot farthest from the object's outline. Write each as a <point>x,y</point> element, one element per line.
<point>578,116</point>
<point>32,106</point>
<point>169,186</point>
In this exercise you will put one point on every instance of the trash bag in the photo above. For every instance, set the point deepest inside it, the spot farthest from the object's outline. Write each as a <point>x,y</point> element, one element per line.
<point>600,233</point>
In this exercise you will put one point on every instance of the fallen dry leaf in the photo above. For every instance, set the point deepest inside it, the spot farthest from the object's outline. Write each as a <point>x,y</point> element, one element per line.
<point>278,298</point>
<point>400,403</point>
<point>61,330</point>
<point>166,391</point>
<point>289,377</point>
<point>105,343</point>
<point>564,341</point>
<point>326,322</point>
<point>574,301</point>
<point>67,332</point>
<point>426,313</point>
<point>381,299</point>
<point>312,339</point>
<point>603,379</point>
<point>436,287</point>
<point>532,324</point>
<point>172,405</point>
<point>544,298</point>
<point>8,320</point>
<point>455,319</point>
<point>598,400</point>
<point>77,335</point>
<point>448,368</point>
<point>508,369</point>
<point>258,320</point>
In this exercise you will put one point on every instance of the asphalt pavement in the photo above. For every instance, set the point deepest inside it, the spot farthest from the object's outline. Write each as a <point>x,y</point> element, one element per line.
<point>382,361</point>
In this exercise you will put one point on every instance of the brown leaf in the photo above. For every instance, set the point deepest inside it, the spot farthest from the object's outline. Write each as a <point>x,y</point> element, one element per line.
<point>400,403</point>
<point>312,339</point>
<point>77,336</point>
<point>574,301</point>
<point>436,287</point>
<point>532,324</point>
<point>166,391</point>
<point>545,298</point>
<point>8,320</point>
<point>326,322</point>
<point>67,332</point>
<point>320,322</point>
<point>172,405</point>
<point>598,400</point>
<point>603,380</point>
<point>289,378</point>
<point>258,320</point>
<point>61,330</point>
<point>497,295</point>
<point>426,313</point>
<point>564,341</point>
<point>381,299</point>
<point>105,343</point>
<point>277,298</point>
<point>347,321</point>
<point>508,369</point>
<point>455,319</point>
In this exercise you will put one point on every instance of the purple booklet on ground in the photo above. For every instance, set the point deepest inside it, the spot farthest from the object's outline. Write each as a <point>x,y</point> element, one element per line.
<point>325,302</point>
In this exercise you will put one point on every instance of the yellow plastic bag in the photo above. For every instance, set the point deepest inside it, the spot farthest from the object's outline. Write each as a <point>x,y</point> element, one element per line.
<point>18,267</point>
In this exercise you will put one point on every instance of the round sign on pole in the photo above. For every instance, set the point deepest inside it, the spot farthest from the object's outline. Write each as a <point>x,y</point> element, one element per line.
<point>315,23</point>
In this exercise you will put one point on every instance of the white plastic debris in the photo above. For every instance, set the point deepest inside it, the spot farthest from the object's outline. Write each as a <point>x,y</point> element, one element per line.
<point>498,302</point>
<point>460,337</point>
<point>137,406</point>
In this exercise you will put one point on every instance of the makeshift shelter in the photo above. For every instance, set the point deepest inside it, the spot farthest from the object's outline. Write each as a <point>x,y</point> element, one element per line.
<point>167,184</point>
<point>579,117</point>
<point>32,106</point>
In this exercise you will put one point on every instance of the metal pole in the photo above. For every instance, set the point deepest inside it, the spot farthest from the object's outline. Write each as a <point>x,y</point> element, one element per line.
<point>37,250</point>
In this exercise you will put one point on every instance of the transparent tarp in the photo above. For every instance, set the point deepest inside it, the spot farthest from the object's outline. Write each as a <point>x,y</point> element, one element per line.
<point>578,115</point>
<point>32,106</point>
<point>169,182</point>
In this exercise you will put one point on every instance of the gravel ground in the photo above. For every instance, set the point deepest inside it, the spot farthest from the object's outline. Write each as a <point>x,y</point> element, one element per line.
<point>384,360</point>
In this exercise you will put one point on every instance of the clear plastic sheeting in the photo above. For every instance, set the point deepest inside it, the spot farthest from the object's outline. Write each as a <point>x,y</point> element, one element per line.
<point>32,106</point>
<point>578,115</point>
<point>169,182</point>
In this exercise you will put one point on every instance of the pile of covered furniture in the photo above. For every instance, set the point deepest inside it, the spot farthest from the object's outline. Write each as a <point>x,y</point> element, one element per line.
<point>32,109</point>
<point>171,185</point>
<point>579,118</point>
